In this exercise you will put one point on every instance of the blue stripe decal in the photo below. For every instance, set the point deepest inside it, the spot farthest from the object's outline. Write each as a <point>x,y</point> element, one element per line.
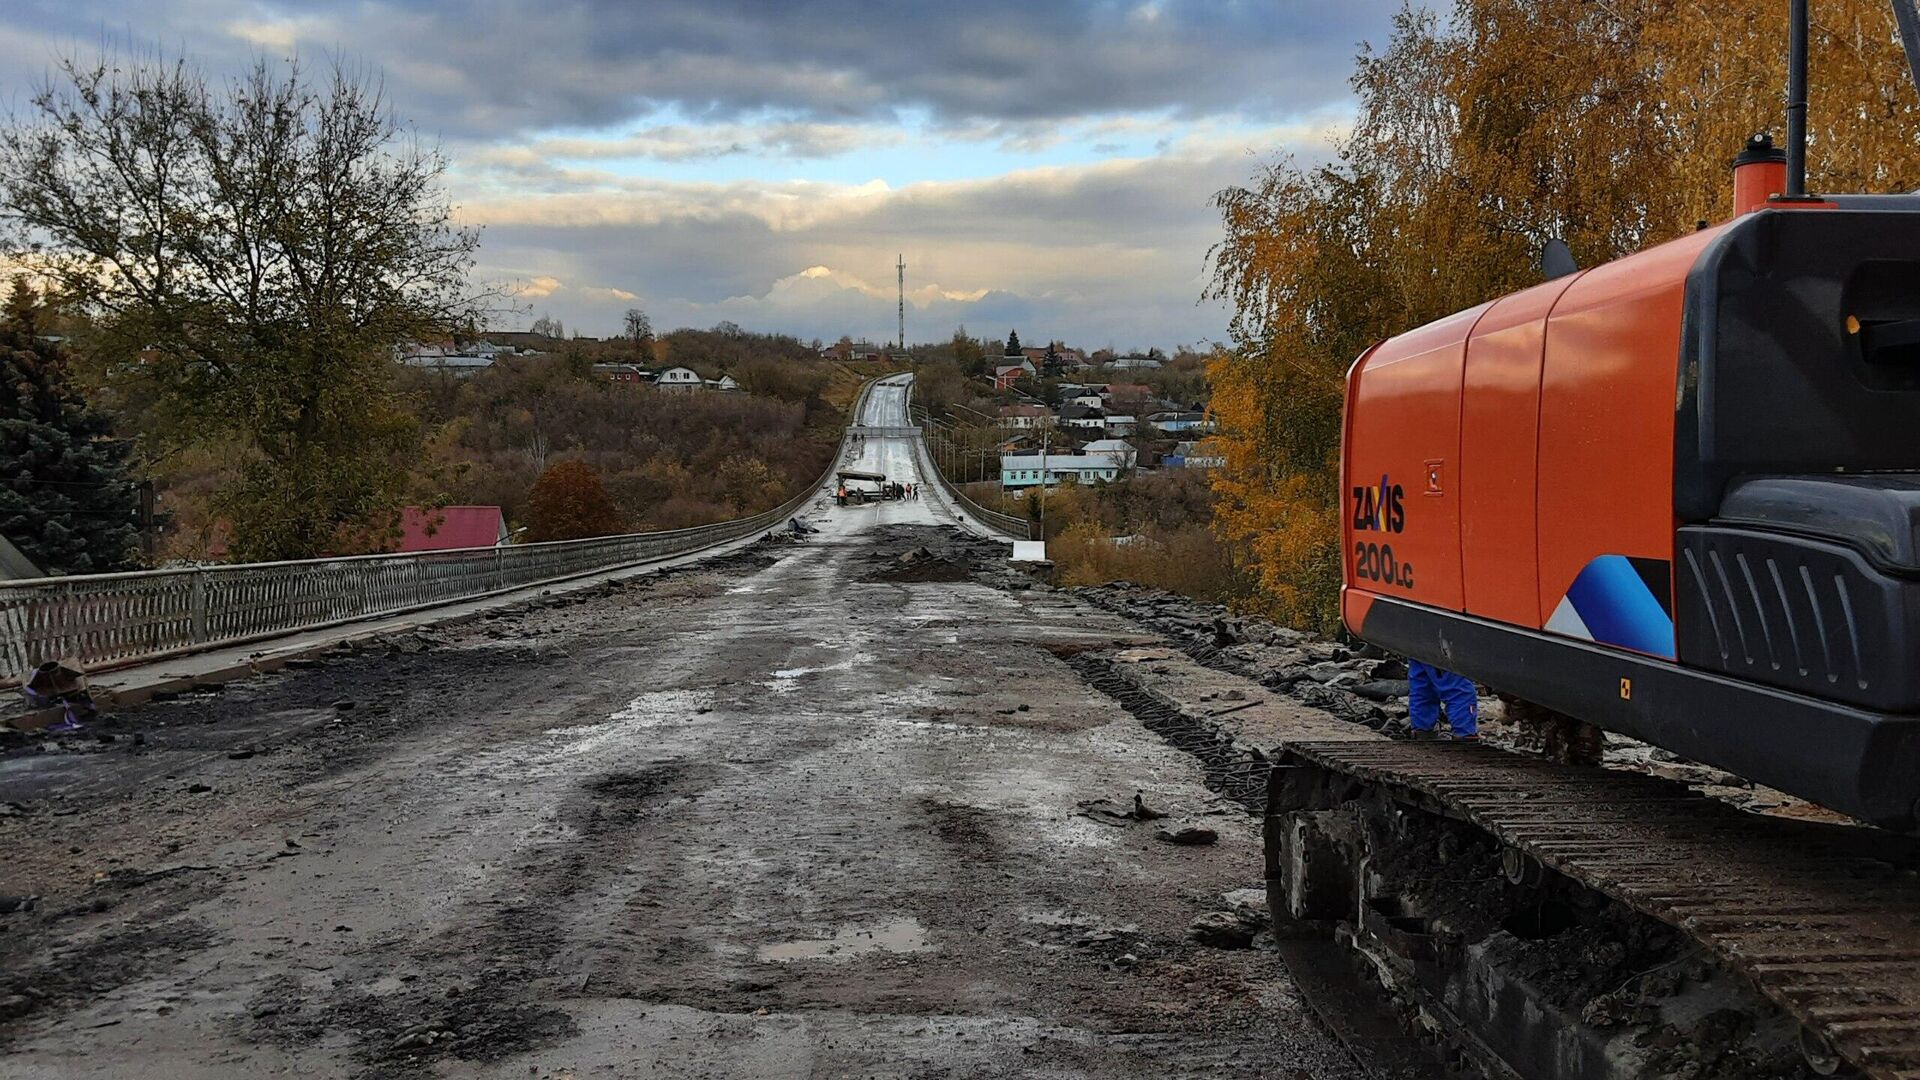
<point>1618,608</point>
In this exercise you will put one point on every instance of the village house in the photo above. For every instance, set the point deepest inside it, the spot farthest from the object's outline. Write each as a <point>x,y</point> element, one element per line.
<point>1204,454</point>
<point>1121,452</point>
<point>1089,418</point>
<point>1006,375</point>
<point>519,341</point>
<point>455,364</point>
<point>446,528</point>
<point>621,373</point>
<point>679,378</point>
<point>1126,397</point>
<point>1025,417</point>
<point>1179,422</point>
<point>453,359</point>
<point>1020,471</point>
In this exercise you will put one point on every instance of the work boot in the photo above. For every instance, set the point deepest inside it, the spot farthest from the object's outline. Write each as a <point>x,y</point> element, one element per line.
<point>1426,735</point>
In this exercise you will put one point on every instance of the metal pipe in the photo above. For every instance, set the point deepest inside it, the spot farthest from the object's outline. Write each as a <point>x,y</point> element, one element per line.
<point>1797,19</point>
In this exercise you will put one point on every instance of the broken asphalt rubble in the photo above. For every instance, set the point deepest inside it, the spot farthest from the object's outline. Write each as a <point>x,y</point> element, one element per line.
<point>63,684</point>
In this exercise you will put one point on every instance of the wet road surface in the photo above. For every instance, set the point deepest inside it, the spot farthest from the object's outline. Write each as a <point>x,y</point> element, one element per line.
<point>774,816</point>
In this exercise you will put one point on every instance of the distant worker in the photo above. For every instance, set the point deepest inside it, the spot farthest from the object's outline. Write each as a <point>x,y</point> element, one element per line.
<point>1429,689</point>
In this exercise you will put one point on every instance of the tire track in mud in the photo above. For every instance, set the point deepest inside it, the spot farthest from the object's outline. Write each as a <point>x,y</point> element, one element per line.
<point>1237,772</point>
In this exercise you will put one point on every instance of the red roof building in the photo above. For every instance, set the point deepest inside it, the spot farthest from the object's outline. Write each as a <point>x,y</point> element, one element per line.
<point>451,527</point>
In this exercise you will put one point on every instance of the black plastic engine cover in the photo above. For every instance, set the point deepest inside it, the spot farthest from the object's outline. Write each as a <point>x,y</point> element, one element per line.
<point>1800,612</point>
<point>1875,513</point>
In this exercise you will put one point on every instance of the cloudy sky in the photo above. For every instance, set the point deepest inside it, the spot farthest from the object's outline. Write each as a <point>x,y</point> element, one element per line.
<point>1041,164</point>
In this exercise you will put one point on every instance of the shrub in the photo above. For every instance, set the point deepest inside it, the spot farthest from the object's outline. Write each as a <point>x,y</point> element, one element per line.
<point>569,502</point>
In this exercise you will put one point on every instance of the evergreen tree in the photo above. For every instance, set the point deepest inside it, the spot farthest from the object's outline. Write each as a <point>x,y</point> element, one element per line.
<point>1013,343</point>
<point>65,500</point>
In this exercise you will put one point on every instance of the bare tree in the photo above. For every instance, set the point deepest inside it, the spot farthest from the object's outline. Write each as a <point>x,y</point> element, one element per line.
<point>537,448</point>
<point>639,328</point>
<point>253,252</point>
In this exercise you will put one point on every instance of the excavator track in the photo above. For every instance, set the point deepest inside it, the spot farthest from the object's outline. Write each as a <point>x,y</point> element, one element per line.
<point>1823,919</point>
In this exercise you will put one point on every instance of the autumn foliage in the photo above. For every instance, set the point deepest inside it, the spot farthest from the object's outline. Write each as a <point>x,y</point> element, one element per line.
<point>1482,134</point>
<point>569,502</point>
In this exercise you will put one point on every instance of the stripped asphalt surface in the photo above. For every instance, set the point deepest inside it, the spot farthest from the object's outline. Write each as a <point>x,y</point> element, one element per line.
<point>786,813</point>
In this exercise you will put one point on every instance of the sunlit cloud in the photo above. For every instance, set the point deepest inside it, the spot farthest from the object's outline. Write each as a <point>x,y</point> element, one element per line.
<point>1050,163</point>
<point>279,36</point>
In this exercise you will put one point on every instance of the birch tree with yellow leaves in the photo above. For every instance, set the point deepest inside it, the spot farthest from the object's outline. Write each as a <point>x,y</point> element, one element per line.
<point>1481,134</point>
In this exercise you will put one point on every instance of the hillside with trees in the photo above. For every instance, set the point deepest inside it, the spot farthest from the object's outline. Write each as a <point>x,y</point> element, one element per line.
<point>667,460</point>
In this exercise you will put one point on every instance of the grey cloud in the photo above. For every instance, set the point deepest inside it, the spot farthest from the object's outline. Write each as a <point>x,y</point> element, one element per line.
<point>691,142</point>
<point>1097,255</point>
<point>496,68</point>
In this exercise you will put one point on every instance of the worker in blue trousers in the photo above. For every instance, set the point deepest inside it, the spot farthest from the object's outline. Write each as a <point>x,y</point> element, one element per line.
<point>1430,688</point>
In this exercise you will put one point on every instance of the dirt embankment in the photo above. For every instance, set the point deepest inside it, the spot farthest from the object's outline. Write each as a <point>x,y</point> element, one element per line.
<point>1362,684</point>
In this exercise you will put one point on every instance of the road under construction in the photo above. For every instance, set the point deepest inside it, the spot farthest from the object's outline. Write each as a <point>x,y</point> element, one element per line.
<point>878,802</point>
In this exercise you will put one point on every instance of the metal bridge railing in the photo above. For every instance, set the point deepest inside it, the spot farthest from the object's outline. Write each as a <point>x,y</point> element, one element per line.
<point>110,620</point>
<point>1018,528</point>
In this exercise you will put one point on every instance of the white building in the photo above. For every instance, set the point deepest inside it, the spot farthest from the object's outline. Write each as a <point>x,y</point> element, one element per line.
<point>679,378</point>
<point>450,364</point>
<point>1178,423</point>
<point>1119,451</point>
<point>1018,471</point>
<point>1204,454</point>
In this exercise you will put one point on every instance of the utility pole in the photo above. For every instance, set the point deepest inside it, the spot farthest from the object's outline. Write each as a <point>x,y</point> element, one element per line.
<point>1045,439</point>
<point>900,267</point>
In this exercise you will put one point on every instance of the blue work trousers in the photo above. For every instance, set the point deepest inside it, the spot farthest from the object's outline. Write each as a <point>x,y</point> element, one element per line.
<point>1431,688</point>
